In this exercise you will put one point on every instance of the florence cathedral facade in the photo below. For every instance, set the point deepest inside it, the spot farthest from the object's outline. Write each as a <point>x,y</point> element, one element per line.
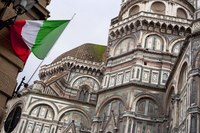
<point>146,80</point>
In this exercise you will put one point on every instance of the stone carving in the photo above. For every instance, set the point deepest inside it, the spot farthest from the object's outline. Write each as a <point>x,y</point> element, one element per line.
<point>112,81</point>
<point>145,77</point>
<point>195,49</point>
<point>196,27</point>
<point>154,78</point>
<point>86,81</point>
<point>119,79</point>
<point>126,77</point>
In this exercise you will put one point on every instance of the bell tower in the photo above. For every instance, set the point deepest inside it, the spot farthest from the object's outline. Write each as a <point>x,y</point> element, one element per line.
<point>144,42</point>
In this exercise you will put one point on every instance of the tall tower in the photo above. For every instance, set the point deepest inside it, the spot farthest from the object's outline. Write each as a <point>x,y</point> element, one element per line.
<point>144,42</point>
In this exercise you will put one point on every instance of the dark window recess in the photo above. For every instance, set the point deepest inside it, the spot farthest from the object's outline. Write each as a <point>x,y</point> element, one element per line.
<point>12,119</point>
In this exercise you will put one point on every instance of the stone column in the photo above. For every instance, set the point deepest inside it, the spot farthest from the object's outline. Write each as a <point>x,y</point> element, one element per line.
<point>89,96</point>
<point>132,125</point>
<point>176,114</point>
<point>193,123</point>
<point>127,125</point>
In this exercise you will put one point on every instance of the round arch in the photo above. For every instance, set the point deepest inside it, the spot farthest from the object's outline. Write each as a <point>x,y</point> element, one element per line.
<point>108,100</point>
<point>20,103</point>
<point>134,10</point>
<point>41,102</point>
<point>82,76</point>
<point>133,38</point>
<point>145,96</point>
<point>158,7</point>
<point>171,45</point>
<point>154,34</point>
<point>181,13</point>
<point>42,109</point>
<point>63,111</point>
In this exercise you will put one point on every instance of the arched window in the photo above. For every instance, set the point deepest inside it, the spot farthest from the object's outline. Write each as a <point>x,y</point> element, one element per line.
<point>115,106</point>
<point>154,42</point>
<point>80,120</point>
<point>177,47</point>
<point>158,7</point>
<point>124,46</point>
<point>84,93</point>
<point>181,13</point>
<point>147,107</point>
<point>182,77</point>
<point>134,10</point>
<point>45,114</point>
<point>111,111</point>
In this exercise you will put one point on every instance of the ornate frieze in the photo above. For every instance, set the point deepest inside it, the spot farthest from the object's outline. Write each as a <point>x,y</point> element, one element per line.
<point>68,63</point>
<point>139,74</point>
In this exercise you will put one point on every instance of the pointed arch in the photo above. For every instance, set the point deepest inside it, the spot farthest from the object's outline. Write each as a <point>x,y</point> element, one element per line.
<point>182,29</point>
<point>137,23</point>
<point>151,24</point>
<point>158,25</point>
<point>163,26</point>
<point>189,30</point>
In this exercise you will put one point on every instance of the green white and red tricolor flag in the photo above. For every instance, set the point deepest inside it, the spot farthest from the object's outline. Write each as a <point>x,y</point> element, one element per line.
<point>37,36</point>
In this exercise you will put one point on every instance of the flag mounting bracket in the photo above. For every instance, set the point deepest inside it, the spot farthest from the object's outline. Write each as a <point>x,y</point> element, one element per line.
<point>16,93</point>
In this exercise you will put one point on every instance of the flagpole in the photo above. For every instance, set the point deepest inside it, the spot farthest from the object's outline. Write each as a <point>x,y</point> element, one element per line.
<point>73,16</point>
<point>35,71</point>
<point>47,54</point>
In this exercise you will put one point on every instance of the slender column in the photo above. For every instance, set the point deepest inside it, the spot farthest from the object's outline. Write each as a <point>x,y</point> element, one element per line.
<point>132,123</point>
<point>127,125</point>
<point>89,96</point>
<point>24,126</point>
<point>198,124</point>
<point>176,114</point>
<point>193,123</point>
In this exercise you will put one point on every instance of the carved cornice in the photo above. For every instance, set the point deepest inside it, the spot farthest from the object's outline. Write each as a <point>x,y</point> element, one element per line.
<point>152,17</point>
<point>69,63</point>
<point>160,88</point>
<point>162,57</point>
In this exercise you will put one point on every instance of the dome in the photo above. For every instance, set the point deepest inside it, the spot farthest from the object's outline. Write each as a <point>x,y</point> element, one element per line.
<point>90,52</point>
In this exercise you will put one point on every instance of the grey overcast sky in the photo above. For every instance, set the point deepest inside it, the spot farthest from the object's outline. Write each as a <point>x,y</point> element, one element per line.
<point>90,25</point>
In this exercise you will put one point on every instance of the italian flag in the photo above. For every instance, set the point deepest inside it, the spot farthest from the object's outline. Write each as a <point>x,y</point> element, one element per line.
<point>37,36</point>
